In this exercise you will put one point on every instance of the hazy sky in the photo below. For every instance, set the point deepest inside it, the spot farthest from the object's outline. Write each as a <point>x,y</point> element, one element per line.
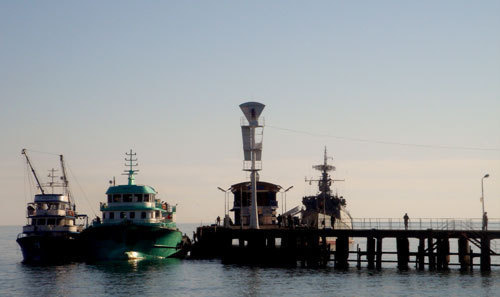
<point>93,79</point>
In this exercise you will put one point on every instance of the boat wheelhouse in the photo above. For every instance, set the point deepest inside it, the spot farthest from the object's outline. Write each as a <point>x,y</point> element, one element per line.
<point>51,213</point>
<point>137,204</point>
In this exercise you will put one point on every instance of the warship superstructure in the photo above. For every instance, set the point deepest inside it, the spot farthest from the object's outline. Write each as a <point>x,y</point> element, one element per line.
<point>325,209</point>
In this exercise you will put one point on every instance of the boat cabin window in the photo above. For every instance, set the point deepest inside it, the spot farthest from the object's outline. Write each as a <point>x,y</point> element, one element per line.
<point>157,213</point>
<point>110,198</point>
<point>51,221</point>
<point>143,215</point>
<point>138,197</point>
<point>33,222</point>
<point>59,222</point>
<point>146,197</point>
<point>131,215</point>
<point>40,222</point>
<point>117,197</point>
<point>122,215</point>
<point>127,198</point>
<point>111,215</point>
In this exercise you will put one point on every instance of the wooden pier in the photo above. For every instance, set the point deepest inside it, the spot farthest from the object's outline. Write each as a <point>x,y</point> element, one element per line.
<point>316,247</point>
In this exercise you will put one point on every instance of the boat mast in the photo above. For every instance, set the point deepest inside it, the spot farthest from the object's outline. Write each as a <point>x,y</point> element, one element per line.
<point>131,172</point>
<point>324,184</point>
<point>65,179</point>
<point>23,152</point>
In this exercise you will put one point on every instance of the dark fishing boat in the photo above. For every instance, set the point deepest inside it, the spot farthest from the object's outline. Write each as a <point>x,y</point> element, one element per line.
<point>50,235</point>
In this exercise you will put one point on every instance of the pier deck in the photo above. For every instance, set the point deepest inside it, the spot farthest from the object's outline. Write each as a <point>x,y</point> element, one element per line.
<point>311,247</point>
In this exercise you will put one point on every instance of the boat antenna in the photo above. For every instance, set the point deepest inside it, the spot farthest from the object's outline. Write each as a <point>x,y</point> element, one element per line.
<point>131,172</point>
<point>23,152</point>
<point>325,182</point>
<point>52,175</point>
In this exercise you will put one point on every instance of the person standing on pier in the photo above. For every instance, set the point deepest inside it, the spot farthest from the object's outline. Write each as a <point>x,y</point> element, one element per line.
<point>332,221</point>
<point>406,218</point>
<point>280,218</point>
<point>218,220</point>
<point>485,221</point>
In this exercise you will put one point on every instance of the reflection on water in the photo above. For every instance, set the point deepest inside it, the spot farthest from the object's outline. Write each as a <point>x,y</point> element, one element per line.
<point>135,266</point>
<point>211,278</point>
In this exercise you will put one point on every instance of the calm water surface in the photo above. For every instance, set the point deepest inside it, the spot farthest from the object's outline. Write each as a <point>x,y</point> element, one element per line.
<point>174,277</point>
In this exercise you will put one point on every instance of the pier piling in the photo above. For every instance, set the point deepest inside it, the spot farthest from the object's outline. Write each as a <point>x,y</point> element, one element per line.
<point>430,253</point>
<point>403,249</point>
<point>370,252</point>
<point>464,254</point>
<point>379,253</point>
<point>421,254</point>
<point>341,252</point>
<point>485,254</point>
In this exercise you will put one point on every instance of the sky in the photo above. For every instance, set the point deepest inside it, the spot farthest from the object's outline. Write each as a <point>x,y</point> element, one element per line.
<point>405,95</point>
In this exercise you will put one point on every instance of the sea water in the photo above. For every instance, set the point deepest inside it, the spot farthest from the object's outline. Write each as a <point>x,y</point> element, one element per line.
<point>173,277</point>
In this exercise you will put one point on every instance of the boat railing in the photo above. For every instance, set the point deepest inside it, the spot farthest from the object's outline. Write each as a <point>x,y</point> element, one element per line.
<point>425,223</point>
<point>47,212</point>
<point>121,221</point>
<point>51,228</point>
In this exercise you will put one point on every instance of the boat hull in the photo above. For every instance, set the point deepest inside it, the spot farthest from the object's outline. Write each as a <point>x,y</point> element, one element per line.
<point>45,249</point>
<point>131,241</point>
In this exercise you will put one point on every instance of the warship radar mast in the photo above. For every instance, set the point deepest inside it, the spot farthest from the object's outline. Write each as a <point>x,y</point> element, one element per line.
<point>325,182</point>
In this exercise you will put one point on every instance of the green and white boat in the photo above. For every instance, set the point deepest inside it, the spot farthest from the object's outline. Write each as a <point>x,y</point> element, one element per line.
<point>135,224</point>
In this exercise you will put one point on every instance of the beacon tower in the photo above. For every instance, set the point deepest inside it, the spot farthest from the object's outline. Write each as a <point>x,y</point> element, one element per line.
<point>252,131</point>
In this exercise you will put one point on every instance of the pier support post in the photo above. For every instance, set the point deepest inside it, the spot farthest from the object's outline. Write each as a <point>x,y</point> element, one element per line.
<point>430,253</point>
<point>403,248</point>
<point>358,265</point>
<point>485,254</point>
<point>379,253</point>
<point>443,252</point>
<point>421,254</point>
<point>463,254</point>
<point>271,242</point>
<point>341,252</point>
<point>370,252</point>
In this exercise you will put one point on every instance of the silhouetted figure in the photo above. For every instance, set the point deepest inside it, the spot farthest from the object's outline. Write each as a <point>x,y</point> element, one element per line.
<point>218,221</point>
<point>289,221</point>
<point>332,221</point>
<point>406,218</point>
<point>280,218</point>
<point>485,222</point>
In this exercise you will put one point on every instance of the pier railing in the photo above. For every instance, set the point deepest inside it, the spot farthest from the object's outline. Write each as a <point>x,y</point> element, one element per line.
<point>425,223</point>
